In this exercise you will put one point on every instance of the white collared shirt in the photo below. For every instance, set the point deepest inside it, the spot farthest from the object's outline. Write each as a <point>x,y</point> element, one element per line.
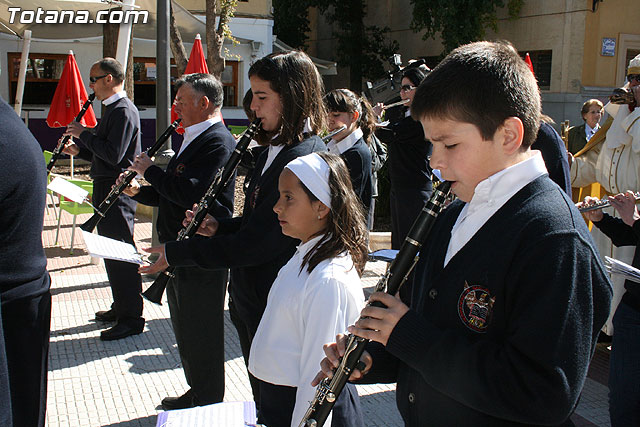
<point>339,147</point>
<point>113,98</point>
<point>589,131</point>
<point>304,311</point>
<point>489,196</point>
<point>194,131</point>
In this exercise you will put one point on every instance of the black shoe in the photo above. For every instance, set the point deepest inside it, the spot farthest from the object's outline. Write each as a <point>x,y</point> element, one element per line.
<point>106,316</point>
<point>119,331</point>
<point>183,402</point>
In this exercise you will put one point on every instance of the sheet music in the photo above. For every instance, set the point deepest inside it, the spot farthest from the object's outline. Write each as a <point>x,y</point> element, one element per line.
<point>68,190</point>
<point>625,270</point>
<point>103,247</point>
<point>227,414</point>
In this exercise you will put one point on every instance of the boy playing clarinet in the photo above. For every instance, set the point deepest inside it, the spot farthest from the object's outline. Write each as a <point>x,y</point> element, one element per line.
<point>509,293</point>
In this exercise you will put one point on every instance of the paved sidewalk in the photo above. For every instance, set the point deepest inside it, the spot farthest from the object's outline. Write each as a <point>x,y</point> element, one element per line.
<point>120,383</point>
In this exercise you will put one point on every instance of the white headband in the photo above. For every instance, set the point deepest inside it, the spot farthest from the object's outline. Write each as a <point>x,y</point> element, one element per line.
<point>313,172</point>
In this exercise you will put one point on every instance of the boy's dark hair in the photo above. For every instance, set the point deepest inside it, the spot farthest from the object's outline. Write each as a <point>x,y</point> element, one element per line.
<point>295,78</point>
<point>481,83</point>
<point>113,67</point>
<point>204,84</point>
<point>346,228</point>
<point>415,74</point>
<point>346,101</point>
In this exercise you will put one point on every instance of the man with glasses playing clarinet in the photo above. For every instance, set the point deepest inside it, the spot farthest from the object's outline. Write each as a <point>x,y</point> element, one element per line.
<point>611,158</point>
<point>111,148</point>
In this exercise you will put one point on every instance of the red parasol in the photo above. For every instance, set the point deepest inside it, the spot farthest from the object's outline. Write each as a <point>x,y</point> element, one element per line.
<point>69,97</point>
<point>197,64</point>
<point>527,59</point>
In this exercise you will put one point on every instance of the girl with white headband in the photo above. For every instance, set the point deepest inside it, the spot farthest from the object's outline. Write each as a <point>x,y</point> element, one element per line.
<point>316,295</point>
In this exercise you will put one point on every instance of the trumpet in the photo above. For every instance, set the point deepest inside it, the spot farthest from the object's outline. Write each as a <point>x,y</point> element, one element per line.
<point>223,176</point>
<point>602,203</point>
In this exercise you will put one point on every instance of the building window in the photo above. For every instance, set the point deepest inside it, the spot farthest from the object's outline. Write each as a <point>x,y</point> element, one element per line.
<point>144,81</point>
<point>43,72</point>
<point>541,60</point>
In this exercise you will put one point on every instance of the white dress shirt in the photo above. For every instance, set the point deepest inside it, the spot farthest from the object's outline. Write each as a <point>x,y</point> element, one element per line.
<point>113,98</point>
<point>489,196</point>
<point>304,312</point>
<point>339,147</point>
<point>194,131</point>
<point>589,131</point>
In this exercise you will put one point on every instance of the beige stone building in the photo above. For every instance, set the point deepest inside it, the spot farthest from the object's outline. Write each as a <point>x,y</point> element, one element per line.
<point>579,48</point>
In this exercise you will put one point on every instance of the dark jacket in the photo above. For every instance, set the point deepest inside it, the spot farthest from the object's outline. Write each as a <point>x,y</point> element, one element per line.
<point>187,178</point>
<point>554,155</point>
<point>252,245</point>
<point>577,138</point>
<point>623,235</point>
<point>408,152</point>
<point>113,145</point>
<point>358,161</point>
<point>504,333</point>
<point>23,182</point>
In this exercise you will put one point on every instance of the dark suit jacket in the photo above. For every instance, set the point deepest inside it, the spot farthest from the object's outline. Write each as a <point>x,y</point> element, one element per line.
<point>187,178</point>
<point>577,138</point>
<point>252,245</point>
<point>554,155</point>
<point>358,160</point>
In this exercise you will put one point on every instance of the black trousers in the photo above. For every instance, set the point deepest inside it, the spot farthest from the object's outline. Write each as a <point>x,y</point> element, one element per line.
<point>25,329</point>
<point>196,305</point>
<point>124,279</point>
<point>246,329</point>
<point>277,403</point>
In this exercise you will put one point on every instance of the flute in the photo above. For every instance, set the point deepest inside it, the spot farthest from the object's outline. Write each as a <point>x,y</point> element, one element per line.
<point>329,389</point>
<point>156,290</point>
<point>117,189</point>
<point>395,104</point>
<point>58,150</point>
<point>330,135</point>
<point>602,203</point>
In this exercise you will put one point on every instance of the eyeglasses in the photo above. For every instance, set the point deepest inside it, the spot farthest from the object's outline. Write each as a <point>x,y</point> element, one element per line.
<point>632,77</point>
<point>406,88</point>
<point>95,79</point>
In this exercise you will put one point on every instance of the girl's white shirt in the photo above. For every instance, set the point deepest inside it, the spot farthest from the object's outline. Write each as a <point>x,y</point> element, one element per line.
<point>304,312</point>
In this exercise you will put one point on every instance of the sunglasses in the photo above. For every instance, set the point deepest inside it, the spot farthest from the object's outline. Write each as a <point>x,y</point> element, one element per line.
<point>95,79</point>
<point>406,88</point>
<point>632,77</point>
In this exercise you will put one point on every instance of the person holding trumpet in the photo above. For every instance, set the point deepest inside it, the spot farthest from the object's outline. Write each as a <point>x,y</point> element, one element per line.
<point>624,375</point>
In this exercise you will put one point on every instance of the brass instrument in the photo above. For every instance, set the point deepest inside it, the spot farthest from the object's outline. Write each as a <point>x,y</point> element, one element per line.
<point>622,95</point>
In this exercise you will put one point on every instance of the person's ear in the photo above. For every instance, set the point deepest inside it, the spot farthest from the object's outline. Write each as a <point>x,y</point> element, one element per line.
<point>512,131</point>
<point>355,116</point>
<point>321,210</point>
<point>204,102</point>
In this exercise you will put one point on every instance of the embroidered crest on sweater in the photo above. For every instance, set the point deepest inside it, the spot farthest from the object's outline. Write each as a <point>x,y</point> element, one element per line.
<point>475,307</point>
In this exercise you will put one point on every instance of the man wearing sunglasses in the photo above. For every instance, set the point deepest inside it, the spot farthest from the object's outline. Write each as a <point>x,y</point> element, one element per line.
<point>111,149</point>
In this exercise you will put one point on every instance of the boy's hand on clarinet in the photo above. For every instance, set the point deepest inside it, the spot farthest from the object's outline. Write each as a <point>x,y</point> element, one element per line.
<point>334,352</point>
<point>207,228</point>
<point>130,190</point>
<point>625,204</point>
<point>594,215</point>
<point>71,148</point>
<point>160,265</point>
<point>377,323</point>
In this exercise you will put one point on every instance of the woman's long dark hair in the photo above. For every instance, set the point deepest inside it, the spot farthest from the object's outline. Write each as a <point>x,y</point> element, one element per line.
<point>346,228</point>
<point>346,101</point>
<point>295,78</point>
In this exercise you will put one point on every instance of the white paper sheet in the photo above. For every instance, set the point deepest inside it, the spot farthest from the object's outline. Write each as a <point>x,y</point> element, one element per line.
<point>68,190</point>
<point>103,247</point>
<point>227,414</point>
<point>625,270</point>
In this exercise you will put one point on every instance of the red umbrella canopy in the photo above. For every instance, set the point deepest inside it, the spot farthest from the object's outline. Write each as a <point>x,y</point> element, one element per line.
<point>197,64</point>
<point>69,97</point>
<point>527,59</point>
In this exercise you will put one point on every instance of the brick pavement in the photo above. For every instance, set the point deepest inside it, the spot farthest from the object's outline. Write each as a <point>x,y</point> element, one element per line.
<point>120,383</point>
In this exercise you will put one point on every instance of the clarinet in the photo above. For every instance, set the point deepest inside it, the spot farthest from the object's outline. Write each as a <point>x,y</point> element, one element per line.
<point>156,290</point>
<point>329,389</point>
<point>58,150</point>
<point>602,203</point>
<point>117,189</point>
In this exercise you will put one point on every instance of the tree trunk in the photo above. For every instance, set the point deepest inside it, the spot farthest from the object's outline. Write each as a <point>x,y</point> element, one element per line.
<point>215,38</point>
<point>177,48</point>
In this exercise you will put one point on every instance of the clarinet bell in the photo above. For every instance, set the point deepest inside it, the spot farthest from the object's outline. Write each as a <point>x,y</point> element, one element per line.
<point>156,290</point>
